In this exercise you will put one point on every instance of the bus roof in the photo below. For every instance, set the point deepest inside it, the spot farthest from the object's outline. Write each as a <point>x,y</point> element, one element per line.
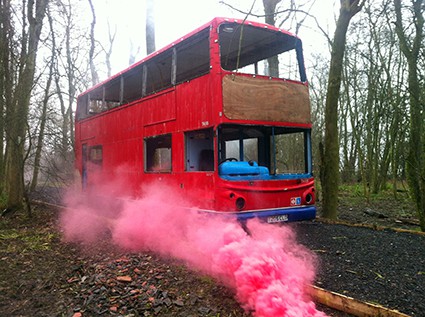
<point>214,23</point>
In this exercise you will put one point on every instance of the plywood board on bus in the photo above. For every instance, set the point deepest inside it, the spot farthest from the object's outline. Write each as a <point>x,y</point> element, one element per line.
<point>248,98</point>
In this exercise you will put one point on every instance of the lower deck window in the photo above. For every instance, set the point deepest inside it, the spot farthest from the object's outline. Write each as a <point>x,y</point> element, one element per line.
<point>199,150</point>
<point>96,154</point>
<point>158,153</point>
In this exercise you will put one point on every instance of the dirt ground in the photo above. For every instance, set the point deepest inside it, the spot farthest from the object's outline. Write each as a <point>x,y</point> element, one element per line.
<point>40,275</point>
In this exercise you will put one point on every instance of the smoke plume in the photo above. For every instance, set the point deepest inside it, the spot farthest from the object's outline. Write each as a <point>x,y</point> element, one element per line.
<point>267,269</point>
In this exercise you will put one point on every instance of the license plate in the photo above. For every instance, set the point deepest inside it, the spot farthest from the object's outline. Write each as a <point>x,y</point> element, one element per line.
<point>275,219</point>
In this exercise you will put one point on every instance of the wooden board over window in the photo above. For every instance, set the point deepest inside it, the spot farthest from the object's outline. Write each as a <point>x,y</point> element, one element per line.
<point>246,98</point>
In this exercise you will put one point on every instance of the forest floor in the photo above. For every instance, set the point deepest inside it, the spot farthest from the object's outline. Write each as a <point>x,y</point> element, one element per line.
<point>40,275</point>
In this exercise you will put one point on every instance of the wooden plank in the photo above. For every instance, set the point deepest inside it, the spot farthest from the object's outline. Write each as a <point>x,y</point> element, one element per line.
<point>248,98</point>
<point>350,305</point>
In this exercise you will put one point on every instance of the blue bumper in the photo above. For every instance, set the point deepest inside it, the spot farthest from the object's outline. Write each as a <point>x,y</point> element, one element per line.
<point>274,215</point>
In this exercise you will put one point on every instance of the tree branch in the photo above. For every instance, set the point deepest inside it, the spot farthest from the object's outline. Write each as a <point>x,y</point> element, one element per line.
<point>281,12</point>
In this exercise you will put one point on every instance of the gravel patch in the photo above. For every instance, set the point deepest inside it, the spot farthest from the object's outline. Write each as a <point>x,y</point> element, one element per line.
<point>379,266</point>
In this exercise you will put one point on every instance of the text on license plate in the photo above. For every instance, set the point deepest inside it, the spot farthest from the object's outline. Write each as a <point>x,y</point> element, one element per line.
<point>280,218</point>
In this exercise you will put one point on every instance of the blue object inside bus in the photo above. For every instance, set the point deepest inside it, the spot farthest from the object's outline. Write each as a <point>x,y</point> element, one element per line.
<point>242,169</point>
<point>252,171</point>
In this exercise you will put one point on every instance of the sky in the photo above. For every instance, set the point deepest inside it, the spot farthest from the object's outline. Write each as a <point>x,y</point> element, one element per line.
<point>174,19</point>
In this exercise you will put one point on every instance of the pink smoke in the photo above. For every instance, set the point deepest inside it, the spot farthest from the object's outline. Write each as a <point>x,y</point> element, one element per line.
<point>267,269</point>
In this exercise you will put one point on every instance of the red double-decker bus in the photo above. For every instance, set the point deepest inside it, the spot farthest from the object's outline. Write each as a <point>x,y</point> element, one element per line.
<point>222,116</point>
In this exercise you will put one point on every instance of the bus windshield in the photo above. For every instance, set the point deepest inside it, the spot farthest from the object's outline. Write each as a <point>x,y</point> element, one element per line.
<point>261,51</point>
<point>284,152</point>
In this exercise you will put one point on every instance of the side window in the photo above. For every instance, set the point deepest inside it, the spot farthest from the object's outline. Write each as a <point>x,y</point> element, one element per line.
<point>193,57</point>
<point>132,86</point>
<point>158,153</point>
<point>159,72</point>
<point>95,106</point>
<point>96,154</point>
<point>199,150</point>
<point>82,107</point>
<point>112,93</point>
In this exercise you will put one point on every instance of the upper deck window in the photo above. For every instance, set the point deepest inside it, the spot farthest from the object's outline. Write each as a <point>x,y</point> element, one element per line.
<point>260,51</point>
<point>182,62</point>
<point>193,57</point>
<point>158,73</point>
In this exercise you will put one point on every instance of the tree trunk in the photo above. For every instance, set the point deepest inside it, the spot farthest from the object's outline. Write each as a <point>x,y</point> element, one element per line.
<point>331,152</point>
<point>67,130</point>
<point>269,11</point>
<point>108,53</point>
<point>17,112</point>
<point>6,81</point>
<point>43,118</point>
<point>416,156</point>
<point>94,75</point>
<point>150,27</point>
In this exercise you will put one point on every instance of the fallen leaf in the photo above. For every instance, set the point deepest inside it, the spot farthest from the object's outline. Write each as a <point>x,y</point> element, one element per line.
<point>124,278</point>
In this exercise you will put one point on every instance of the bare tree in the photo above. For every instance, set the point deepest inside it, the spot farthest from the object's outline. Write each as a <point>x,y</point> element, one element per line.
<point>94,75</point>
<point>43,116</point>
<point>411,45</point>
<point>317,84</point>
<point>150,27</point>
<point>108,52</point>
<point>134,51</point>
<point>64,67</point>
<point>6,78</point>
<point>17,109</point>
<point>270,11</point>
<point>330,156</point>
<point>73,73</point>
